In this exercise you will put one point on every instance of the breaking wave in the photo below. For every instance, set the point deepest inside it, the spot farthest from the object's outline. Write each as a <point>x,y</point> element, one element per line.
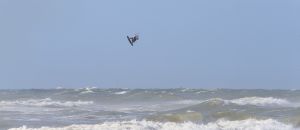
<point>262,101</point>
<point>249,124</point>
<point>256,101</point>
<point>86,90</point>
<point>45,102</point>
<point>121,92</point>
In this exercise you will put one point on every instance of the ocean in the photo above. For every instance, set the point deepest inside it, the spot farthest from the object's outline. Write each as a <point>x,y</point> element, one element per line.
<point>149,109</point>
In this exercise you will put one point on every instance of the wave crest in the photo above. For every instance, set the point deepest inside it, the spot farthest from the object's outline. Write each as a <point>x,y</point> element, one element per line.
<point>45,102</point>
<point>262,101</point>
<point>249,124</point>
<point>256,101</point>
<point>121,92</point>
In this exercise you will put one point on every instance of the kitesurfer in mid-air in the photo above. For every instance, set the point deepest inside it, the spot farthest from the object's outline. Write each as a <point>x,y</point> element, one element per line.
<point>133,39</point>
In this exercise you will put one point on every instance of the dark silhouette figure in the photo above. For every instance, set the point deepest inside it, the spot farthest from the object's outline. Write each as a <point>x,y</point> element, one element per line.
<point>133,39</point>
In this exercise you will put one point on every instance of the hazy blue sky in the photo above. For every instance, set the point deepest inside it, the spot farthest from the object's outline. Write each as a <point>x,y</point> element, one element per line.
<point>186,43</point>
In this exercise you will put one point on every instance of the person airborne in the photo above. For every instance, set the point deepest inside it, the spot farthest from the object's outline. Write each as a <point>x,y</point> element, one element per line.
<point>133,39</point>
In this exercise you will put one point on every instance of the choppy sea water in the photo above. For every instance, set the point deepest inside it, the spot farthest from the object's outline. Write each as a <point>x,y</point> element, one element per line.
<point>149,109</point>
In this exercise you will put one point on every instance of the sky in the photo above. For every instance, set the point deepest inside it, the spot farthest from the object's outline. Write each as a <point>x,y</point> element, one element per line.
<point>208,44</point>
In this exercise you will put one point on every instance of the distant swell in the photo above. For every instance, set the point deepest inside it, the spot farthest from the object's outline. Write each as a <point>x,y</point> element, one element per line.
<point>249,124</point>
<point>45,102</point>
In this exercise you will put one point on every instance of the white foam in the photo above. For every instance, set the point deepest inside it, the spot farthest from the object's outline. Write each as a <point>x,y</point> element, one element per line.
<point>263,101</point>
<point>187,102</point>
<point>249,124</point>
<point>86,90</point>
<point>185,90</point>
<point>45,102</point>
<point>59,87</point>
<point>121,92</point>
<point>202,91</point>
<point>163,106</point>
<point>256,101</point>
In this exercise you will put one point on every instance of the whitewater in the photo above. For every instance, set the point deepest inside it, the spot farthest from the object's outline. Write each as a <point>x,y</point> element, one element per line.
<point>149,109</point>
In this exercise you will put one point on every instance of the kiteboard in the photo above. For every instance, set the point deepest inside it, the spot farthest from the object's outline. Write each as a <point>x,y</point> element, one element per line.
<point>129,41</point>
